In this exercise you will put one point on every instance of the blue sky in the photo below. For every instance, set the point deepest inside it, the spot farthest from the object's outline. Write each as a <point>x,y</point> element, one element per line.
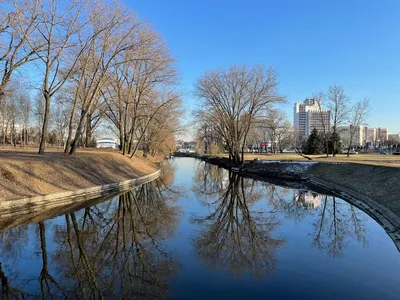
<point>312,44</point>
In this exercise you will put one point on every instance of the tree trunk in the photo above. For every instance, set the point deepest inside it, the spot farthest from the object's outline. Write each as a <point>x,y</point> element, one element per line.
<point>70,124</point>
<point>78,133</point>
<point>88,137</point>
<point>45,122</point>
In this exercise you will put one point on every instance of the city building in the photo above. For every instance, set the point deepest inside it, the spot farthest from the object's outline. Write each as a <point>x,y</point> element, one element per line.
<point>382,134</point>
<point>371,135</point>
<point>358,137</point>
<point>307,116</point>
<point>394,137</point>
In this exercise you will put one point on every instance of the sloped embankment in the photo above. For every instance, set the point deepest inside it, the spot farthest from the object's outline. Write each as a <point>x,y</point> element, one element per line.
<point>376,182</point>
<point>25,174</point>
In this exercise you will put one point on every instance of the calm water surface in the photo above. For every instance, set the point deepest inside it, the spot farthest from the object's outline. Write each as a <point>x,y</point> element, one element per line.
<point>202,233</point>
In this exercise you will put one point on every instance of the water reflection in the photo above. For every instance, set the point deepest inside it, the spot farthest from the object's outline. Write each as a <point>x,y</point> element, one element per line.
<point>234,236</point>
<point>207,233</point>
<point>336,225</point>
<point>111,250</point>
<point>234,226</point>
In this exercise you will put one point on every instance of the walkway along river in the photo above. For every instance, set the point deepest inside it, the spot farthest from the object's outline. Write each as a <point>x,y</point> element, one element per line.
<point>201,232</point>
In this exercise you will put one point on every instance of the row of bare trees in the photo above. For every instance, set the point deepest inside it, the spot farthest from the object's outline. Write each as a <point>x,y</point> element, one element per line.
<point>93,62</point>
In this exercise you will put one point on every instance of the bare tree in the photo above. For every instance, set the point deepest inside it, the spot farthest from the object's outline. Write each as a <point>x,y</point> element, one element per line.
<point>54,42</point>
<point>285,136</point>
<point>147,67</point>
<point>17,21</point>
<point>233,99</point>
<point>338,103</point>
<point>358,115</point>
<point>159,135</point>
<point>325,131</point>
<point>114,31</point>
<point>152,110</point>
<point>273,124</point>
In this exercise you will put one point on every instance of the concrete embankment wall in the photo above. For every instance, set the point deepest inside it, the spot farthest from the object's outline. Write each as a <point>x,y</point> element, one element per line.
<point>32,209</point>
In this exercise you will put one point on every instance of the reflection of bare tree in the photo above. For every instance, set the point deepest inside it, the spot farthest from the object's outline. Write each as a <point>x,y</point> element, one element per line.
<point>111,250</point>
<point>234,236</point>
<point>295,207</point>
<point>209,179</point>
<point>7,291</point>
<point>46,280</point>
<point>337,223</point>
<point>167,172</point>
<point>121,255</point>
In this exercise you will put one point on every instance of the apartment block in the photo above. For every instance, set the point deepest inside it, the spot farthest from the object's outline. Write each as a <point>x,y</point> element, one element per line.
<point>371,135</point>
<point>358,136</point>
<point>395,137</point>
<point>382,134</point>
<point>307,116</point>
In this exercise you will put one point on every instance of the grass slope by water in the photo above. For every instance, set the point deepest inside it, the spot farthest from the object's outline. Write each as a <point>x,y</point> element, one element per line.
<point>373,175</point>
<point>23,173</point>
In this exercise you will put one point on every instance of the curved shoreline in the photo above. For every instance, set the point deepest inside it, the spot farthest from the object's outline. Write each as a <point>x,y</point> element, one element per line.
<point>387,219</point>
<point>37,204</point>
<point>304,173</point>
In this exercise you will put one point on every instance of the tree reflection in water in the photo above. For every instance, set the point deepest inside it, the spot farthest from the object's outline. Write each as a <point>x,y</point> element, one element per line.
<point>232,228</point>
<point>336,224</point>
<point>111,250</point>
<point>234,236</point>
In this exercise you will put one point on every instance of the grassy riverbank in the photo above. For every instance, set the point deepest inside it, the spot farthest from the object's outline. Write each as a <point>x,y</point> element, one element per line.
<point>373,176</point>
<point>26,174</point>
<point>374,159</point>
<point>379,183</point>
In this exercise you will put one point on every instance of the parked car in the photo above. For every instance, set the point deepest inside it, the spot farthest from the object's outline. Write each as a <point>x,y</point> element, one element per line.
<point>384,153</point>
<point>353,152</point>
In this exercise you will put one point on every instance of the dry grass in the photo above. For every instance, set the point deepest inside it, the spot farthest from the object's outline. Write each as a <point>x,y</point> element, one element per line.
<point>377,182</point>
<point>23,173</point>
<point>375,159</point>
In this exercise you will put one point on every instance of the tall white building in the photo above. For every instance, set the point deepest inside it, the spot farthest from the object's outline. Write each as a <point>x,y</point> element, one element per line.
<point>345,135</point>
<point>307,116</point>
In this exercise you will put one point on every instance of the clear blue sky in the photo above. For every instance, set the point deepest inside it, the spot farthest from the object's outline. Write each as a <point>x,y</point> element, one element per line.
<point>312,44</point>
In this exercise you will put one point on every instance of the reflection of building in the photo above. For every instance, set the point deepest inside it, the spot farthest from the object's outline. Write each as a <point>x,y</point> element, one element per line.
<point>308,200</point>
<point>307,116</point>
<point>225,183</point>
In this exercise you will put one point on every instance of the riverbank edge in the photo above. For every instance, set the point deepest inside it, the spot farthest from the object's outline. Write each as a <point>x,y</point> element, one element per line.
<point>388,220</point>
<point>40,203</point>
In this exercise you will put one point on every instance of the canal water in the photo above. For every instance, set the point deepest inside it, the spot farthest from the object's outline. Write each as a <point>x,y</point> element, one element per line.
<point>201,232</point>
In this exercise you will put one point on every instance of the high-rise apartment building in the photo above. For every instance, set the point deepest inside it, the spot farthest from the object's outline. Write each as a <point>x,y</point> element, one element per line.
<point>307,116</point>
